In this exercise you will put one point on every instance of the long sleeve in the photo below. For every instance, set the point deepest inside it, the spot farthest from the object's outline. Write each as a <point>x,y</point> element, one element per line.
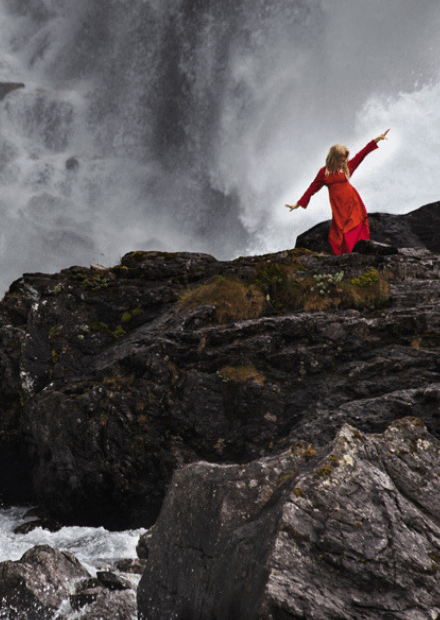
<point>357,159</point>
<point>315,186</point>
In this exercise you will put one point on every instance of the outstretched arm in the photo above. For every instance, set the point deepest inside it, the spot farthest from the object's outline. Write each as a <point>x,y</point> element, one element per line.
<point>371,146</point>
<point>314,187</point>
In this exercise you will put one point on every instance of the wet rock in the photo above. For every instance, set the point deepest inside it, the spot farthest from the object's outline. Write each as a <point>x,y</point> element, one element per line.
<point>106,596</point>
<point>108,388</point>
<point>130,566</point>
<point>347,531</point>
<point>103,604</point>
<point>112,582</point>
<point>34,587</point>
<point>143,546</point>
<point>29,526</point>
<point>9,87</point>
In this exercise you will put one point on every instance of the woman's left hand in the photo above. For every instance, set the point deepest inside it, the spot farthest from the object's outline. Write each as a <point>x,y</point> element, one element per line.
<point>383,136</point>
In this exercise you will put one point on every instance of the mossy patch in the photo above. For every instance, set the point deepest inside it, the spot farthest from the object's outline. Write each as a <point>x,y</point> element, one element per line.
<point>97,326</point>
<point>232,299</point>
<point>325,291</point>
<point>241,374</point>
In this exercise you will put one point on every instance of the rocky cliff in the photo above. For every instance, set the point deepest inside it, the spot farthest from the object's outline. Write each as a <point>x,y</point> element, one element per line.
<point>113,378</point>
<point>273,389</point>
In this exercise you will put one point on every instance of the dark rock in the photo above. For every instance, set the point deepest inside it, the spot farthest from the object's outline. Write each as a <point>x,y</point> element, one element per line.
<point>424,223</point>
<point>130,566</point>
<point>85,597</point>
<point>34,587</point>
<point>374,247</point>
<point>349,531</point>
<point>104,594</point>
<point>112,582</point>
<point>417,229</point>
<point>143,546</point>
<point>72,163</point>
<point>29,526</point>
<point>8,87</point>
<point>107,389</point>
<point>101,604</point>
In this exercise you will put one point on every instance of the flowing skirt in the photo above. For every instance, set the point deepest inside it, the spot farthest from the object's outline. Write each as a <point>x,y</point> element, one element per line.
<point>350,238</point>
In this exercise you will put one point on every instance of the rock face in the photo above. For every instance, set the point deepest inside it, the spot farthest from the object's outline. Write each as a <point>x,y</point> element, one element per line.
<point>349,531</point>
<point>413,230</point>
<point>106,388</point>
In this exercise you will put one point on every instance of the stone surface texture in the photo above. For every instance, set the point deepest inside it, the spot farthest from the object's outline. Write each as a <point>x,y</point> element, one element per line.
<point>350,531</point>
<point>106,388</point>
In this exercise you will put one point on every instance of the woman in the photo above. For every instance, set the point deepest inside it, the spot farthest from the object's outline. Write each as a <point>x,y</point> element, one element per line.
<point>350,218</point>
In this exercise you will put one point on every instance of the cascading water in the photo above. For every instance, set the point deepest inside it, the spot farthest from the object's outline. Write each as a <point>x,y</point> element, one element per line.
<point>186,124</point>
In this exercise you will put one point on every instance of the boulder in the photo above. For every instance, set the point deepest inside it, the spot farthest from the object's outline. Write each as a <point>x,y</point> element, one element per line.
<point>106,596</point>
<point>416,229</point>
<point>349,531</point>
<point>34,587</point>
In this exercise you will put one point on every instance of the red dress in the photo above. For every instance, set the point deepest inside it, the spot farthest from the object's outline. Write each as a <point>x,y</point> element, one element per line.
<point>350,218</point>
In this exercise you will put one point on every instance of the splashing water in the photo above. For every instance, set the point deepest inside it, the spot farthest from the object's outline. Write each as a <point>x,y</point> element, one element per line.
<point>95,548</point>
<point>186,125</point>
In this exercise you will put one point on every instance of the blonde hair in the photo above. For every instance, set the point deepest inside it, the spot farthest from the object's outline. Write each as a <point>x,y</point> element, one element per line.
<point>335,161</point>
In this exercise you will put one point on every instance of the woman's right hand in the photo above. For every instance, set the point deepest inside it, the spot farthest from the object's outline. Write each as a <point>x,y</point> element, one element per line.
<point>383,136</point>
<point>292,207</point>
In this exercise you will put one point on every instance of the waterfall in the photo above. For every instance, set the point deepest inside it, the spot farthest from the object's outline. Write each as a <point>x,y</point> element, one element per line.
<point>186,124</point>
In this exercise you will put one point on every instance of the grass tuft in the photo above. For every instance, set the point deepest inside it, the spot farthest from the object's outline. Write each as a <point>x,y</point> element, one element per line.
<point>241,374</point>
<point>232,299</point>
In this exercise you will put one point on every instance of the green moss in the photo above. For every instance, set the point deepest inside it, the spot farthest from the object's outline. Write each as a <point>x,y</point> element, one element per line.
<point>91,280</point>
<point>126,317</point>
<point>97,326</point>
<point>368,278</point>
<point>298,492</point>
<point>118,332</point>
<point>324,471</point>
<point>282,479</point>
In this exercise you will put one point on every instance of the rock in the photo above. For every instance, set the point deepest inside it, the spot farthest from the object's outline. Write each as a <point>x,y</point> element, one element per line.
<point>34,587</point>
<point>72,163</point>
<point>130,566</point>
<point>374,247</point>
<point>29,526</point>
<point>8,87</point>
<point>112,582</point>
<point>103,604</point>
<point>347,531</point>
<point>143,546</point>
<point>107,386</point>
<point>416,229</point>
<point>105,596</point>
